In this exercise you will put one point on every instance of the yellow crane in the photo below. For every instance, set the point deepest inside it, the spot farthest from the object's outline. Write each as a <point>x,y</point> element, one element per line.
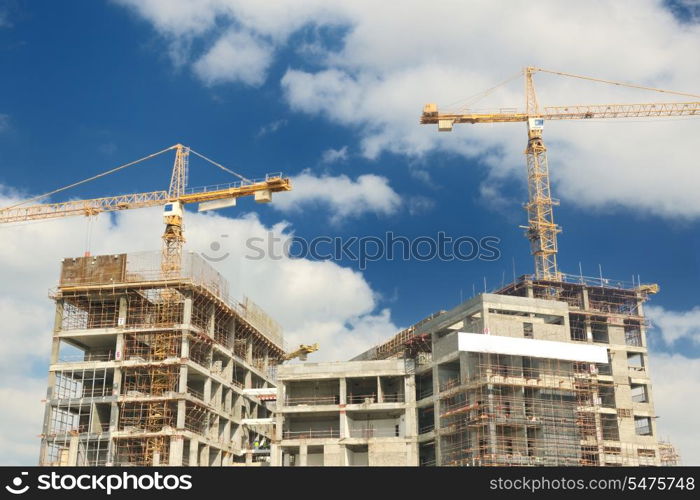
<point>173,201</point>
<point>541,229</point>
<point>302,352</point>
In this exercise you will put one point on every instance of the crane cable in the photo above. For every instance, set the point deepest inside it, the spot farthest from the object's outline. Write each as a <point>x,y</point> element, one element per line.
<point>121,167</point>
<point>622,84</point>
<point>244,179</point>
<point>468,101</point>
<point>41,196</point>
<point>477,97</point>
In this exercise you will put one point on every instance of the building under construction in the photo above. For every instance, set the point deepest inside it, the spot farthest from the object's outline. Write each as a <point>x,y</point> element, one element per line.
<point>538,373</point>
<point>149,367</point>
<point>155,368</point>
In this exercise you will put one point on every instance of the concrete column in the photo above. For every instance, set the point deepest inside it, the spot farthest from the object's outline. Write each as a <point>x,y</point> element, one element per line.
<point>113,417</point>
<point>119,348</point>
<point>343,391</point>
<point>642,328</point>
<point>55,350</point>
<point>123,308</point>
<point>211,321</point>
<point>412,458</point>
<point>344,423</point>
<point>156,458</point>
<point>232,332</point>
<point>486,327</point>
<point>185,346</point>
<point>181,413</point>
<point>227,431</point>
<point>177,445</point>
<point>249,351</point>
<point>182,383</point>
<point>463,367</point>
<point>275,455</point>
<point>248,379</point>
<point>303,455</point>
<point>584,295</point>
<point>228,402</point>
<point>73,450</point>
<point>380,393</point>
<point>492,424</point>
<point>58,316</point>
<point>194,452</point>
<point>207,390</point>
<point>187,310</point>
<point>228,370</point>
<point>411,429</point>
<point>279,426</point>
<point>436,414</point>
<point>114,413</point>
<point>47,422</point>
<point>204,456</point>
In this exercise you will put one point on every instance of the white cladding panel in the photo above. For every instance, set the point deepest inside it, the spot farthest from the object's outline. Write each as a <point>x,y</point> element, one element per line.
<point>475,342</point>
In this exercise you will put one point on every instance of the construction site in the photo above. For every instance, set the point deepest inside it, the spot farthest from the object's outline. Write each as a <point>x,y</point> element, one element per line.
<point>152,363</point>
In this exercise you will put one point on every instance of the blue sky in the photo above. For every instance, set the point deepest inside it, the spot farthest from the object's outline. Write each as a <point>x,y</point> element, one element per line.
<point>88,85</point>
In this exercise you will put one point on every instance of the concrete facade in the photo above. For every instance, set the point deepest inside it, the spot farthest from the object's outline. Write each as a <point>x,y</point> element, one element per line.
<point>345,413</point>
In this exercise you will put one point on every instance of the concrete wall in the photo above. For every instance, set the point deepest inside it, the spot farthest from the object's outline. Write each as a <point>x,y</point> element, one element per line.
<point>305,371</point>
<point>388,454</point>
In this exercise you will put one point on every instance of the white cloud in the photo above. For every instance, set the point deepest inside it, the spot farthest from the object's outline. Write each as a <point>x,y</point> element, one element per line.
<point>334,155</point>
<point>419,205</point>
<point>235,57</point>
<point>271,128</point>
<point>343,196</point>
<point>676,325</point>
<point>313,301</point>
<point>676,384</point>
<point>387,66</point>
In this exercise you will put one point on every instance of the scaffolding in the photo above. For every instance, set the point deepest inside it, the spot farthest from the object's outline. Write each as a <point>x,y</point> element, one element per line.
<point>408,342</point>
<point>668,454</point>
<point>513,410</point>
<point>603,296</point>
<point>152,324</point>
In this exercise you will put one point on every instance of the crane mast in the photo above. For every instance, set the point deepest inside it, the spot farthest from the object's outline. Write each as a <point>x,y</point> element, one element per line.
<point>173,237</point>
<point>541,230</point>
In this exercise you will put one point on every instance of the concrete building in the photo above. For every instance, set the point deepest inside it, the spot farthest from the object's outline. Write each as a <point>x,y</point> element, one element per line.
<point>539,373</point>
<point>345,413</point>
<point>151,368</point>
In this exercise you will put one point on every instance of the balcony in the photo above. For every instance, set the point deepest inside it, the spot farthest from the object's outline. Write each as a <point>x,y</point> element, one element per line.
<point>312,434</point>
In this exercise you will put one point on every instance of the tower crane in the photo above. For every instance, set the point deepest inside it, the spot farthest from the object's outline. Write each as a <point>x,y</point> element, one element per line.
<point>541,230</point>
<point>173,201</point>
